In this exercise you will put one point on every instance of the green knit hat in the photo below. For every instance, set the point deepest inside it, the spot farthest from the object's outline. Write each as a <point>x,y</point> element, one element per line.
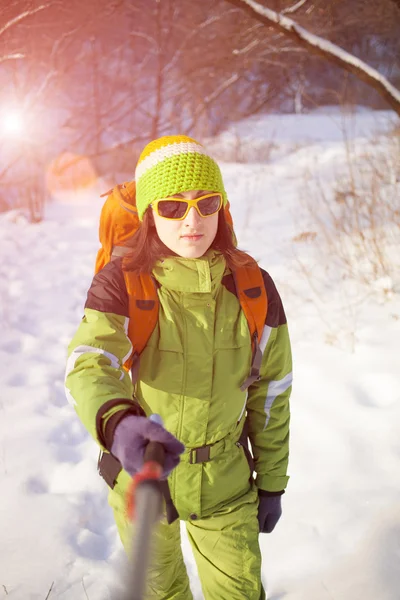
<point>173,164</point>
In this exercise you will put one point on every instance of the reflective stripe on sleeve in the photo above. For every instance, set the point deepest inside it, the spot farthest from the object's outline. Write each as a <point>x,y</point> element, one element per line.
<point>78,352</point>
<point>265,337</point>
<point>275,388</point>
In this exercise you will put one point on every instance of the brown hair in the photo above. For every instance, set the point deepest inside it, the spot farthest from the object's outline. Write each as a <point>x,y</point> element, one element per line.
<point>146,247</point>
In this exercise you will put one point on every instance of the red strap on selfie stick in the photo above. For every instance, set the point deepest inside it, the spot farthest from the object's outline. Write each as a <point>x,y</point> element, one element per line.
<point>151,471</point>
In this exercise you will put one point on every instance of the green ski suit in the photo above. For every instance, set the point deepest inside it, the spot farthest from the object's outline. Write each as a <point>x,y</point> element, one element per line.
<point>190,373</point>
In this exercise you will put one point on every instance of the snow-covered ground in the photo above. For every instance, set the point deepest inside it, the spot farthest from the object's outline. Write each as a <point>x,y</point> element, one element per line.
<point>339,538</point>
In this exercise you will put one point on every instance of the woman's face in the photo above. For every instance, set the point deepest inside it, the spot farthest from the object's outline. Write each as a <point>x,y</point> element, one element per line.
<point>192,236</point>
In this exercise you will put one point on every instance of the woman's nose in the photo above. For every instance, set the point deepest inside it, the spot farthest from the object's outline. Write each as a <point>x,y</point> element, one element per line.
<point>192,218</point>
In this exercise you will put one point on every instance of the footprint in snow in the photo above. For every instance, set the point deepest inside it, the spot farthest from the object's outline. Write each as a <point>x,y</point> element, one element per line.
<point>65,440</point>
<point>67,454</point>
<point>91,545</point>
<point>36,485</point>
<point>17,380</point>
<point>12,346</point>
<point>30,324</point>
<point>378,390</point>
<point>57,393</point>
<point>93,534</point>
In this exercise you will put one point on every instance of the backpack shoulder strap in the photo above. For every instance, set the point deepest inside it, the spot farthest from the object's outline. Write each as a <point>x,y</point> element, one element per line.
<point>253,299</point>
<point>125,195</point>
<point>143,311</point>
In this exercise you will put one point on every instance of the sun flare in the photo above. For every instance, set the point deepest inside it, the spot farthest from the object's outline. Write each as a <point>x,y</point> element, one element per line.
<point>12,123</point>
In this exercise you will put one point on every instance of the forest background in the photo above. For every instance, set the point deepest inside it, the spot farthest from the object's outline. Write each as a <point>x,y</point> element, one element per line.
<point>91,83</point>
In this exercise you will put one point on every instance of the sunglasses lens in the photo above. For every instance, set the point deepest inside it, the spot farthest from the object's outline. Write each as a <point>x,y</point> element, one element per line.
<point>210,205</point>
<point>169,209</point>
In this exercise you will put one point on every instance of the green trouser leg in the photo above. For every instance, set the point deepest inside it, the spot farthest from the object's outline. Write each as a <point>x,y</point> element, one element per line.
<point>227,551</point>
<point>225,547</point>
<point>167,578</point>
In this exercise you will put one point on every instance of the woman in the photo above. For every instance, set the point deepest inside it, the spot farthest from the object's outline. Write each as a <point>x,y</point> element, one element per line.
<point>190,373</point>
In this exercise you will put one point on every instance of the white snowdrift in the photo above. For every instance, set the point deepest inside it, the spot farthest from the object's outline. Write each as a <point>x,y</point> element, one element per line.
<point>339,535</point>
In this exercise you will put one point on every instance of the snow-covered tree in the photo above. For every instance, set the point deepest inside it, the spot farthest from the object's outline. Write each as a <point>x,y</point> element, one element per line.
<point>315,44</point>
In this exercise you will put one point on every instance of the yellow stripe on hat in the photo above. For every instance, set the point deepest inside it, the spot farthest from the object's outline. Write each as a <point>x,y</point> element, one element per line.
<point>164,141</point>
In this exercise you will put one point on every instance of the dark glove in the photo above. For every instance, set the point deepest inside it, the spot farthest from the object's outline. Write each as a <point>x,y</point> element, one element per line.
<point>131,437</point>
<point>269,511</point>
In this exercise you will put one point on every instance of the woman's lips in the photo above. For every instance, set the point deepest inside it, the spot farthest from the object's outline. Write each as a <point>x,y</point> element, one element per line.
<point>192,238</point>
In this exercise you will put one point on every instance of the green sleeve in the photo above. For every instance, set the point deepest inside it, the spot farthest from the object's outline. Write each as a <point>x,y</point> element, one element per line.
<point>268,411</point>
<point>95,373</point>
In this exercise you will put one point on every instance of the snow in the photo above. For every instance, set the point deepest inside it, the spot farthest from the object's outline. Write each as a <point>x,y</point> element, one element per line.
<point>339,537</point>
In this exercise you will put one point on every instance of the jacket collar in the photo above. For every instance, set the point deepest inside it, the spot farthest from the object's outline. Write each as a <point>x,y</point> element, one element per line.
<point>191,275</point>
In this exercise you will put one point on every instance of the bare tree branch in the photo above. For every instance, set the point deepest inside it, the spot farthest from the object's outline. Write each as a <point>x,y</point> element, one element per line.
<point>275,50</point>
<point>22,16</point>
<point>324,48</point>
<point>292,9</point>
<point>247,48</point>
<point>189,37</point>
<point>145,36</point>
<point>11,57</point>
<point>219,90</point>
<point>58,44</point>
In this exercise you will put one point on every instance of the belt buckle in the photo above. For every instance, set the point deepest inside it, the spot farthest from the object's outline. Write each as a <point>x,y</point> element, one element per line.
<point>199,455</point>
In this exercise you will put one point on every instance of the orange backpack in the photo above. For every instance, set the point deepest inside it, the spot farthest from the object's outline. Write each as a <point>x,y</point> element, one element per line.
<point>118,223</point>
